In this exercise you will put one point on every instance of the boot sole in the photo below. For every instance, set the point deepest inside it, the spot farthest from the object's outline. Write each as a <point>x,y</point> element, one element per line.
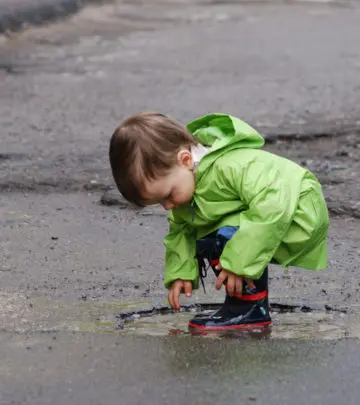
<point>248,326</point>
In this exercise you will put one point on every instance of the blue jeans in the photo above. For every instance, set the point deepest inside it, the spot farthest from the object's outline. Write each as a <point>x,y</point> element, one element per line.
<point>211,246</point>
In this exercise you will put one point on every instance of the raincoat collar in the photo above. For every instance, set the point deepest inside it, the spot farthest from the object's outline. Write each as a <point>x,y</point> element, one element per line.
<point>197,153</point>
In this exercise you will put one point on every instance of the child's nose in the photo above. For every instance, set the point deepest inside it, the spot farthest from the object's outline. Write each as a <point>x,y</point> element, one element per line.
<point>167,205</point>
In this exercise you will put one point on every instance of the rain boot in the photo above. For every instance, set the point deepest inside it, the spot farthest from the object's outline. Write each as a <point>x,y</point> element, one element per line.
<point>247,311</point>
<point>251,309</point>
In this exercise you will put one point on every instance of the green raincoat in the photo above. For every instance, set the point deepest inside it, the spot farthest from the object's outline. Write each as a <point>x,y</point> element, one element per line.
<point>278,206</point>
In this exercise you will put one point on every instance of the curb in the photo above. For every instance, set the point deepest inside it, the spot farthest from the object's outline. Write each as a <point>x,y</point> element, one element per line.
<point>15,18</point>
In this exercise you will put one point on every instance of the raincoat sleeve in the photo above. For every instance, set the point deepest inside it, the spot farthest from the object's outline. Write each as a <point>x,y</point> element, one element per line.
<point>180,261</point>
<point>265,221</point>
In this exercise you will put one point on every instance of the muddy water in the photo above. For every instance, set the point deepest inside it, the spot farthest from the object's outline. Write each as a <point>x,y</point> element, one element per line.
<point>23,315</point>
<point>298,325</point>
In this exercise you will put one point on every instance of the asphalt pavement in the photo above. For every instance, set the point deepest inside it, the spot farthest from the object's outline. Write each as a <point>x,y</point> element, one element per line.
<point>17,15</point>
<point>74,254</point>
<point>102,369</point>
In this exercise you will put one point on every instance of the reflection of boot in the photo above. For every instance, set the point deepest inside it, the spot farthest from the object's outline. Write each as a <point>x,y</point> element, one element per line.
<point>246,311</point>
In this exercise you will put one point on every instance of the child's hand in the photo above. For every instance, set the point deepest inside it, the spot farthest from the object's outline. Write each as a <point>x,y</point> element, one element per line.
<point>234,282</point>
<point>177,287</point>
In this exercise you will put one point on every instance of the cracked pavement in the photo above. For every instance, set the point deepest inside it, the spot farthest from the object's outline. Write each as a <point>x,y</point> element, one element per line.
<point>74,253</point>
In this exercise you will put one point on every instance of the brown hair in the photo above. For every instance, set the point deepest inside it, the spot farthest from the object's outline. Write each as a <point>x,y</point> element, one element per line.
<point>143,147</point>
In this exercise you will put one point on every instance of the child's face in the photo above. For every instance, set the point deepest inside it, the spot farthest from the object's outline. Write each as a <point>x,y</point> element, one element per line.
<point>176,187</point>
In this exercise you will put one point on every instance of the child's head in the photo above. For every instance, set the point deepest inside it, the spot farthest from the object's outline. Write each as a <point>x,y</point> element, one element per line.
<point>151,160</point>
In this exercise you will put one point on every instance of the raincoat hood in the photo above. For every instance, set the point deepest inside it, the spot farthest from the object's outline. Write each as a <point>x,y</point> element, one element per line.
<point>223,133</point>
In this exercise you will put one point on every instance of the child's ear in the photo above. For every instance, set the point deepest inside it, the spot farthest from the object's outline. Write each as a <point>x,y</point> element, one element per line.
<point>184,158</point>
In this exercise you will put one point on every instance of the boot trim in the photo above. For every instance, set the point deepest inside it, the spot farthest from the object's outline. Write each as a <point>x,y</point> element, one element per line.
<point>252,297</point>
<point>243,326</point>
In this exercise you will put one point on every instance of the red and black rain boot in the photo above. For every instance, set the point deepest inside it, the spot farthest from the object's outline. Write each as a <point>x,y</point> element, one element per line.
<point>248,311</point>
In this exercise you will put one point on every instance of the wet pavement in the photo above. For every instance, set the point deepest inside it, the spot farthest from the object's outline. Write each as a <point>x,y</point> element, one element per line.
<point>176,370</point>
<point>294,73</point>
<point>17,15</point>
<point>75,255</point>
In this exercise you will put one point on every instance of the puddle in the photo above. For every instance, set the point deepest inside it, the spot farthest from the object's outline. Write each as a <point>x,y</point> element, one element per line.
<point>289,322</point>
<point>23,314</point>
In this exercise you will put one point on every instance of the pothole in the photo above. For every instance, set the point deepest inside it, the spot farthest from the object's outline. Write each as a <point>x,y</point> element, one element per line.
<point>289,322</point>
<point>23,315</point>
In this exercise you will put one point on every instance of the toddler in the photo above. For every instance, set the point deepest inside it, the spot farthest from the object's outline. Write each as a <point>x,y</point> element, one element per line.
<point>233,207</point>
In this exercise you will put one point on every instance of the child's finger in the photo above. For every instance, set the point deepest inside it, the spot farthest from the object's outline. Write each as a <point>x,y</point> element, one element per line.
<point>176,295</point>
<point>250,283</point>
<point>239,285</point>
<point>220,279</point>
<point>188,288</point>
<point>171,298</point>
<point>230,285</point>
